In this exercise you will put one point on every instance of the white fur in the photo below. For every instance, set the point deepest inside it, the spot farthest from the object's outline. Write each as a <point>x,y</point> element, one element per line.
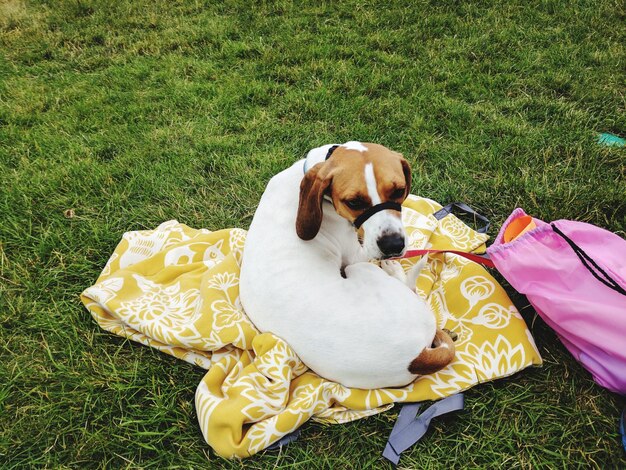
<point>354,145</point>
<point>370,182</point>
<point>394,269</point>
<point>316,155</point>
<point>361,331</point>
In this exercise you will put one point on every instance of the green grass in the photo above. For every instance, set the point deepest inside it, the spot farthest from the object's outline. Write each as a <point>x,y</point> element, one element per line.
<point>135,112</point>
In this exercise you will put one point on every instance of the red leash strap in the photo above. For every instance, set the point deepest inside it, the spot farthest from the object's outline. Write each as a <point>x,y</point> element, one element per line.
<point>480,259</point>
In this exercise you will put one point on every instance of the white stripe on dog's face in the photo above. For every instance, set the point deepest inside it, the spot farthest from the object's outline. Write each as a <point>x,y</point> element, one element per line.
<point>370,181</point>
<point>386,223</point>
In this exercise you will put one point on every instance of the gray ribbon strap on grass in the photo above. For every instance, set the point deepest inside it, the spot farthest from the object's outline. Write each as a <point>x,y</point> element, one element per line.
<point>286,439</point>
<point>409,429</point>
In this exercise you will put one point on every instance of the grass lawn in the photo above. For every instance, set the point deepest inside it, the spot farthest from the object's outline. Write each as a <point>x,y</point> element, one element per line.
<point>131,113</point>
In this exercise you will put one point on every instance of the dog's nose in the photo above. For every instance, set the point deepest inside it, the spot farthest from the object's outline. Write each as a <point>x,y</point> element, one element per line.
<point>391,245</point>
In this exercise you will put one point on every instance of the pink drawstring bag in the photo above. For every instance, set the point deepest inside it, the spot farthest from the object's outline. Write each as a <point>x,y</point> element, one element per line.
<point>574,275</point>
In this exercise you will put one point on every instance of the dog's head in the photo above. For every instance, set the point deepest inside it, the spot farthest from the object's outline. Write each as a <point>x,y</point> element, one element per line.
<point>357,177</point>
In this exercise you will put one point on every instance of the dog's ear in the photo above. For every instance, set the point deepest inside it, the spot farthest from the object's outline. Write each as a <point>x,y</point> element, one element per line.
<point>406,169</point>
<point>315,182</point>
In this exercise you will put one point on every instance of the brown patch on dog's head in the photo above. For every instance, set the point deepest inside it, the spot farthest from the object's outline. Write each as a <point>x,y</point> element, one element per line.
<point>392,171</point>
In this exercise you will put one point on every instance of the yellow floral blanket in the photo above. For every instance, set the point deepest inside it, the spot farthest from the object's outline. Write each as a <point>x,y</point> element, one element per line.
<point>176,289</point>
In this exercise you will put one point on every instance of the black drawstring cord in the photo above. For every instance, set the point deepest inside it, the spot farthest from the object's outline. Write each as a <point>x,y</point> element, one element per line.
<point>587,260</point>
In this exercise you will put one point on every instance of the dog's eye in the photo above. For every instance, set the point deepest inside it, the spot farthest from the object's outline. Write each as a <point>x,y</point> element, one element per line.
<point>398,193</point>
<point>356,204</point>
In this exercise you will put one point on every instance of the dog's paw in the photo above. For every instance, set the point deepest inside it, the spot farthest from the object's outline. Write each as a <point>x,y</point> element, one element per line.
<point>394,269</point>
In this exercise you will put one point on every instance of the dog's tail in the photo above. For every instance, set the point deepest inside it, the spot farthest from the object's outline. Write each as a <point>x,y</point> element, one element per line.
<point>434,358</point>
